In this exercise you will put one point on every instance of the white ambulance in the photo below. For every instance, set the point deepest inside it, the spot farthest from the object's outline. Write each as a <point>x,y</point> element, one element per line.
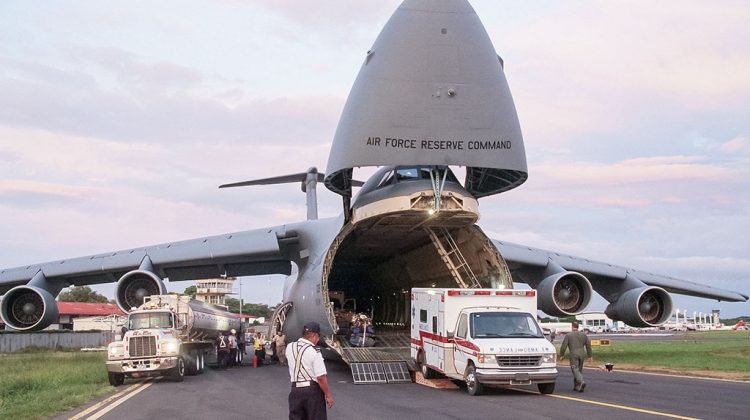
<point>481,336</point>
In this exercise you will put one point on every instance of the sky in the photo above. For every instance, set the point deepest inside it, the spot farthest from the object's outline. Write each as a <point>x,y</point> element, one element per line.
<point>118,120</point>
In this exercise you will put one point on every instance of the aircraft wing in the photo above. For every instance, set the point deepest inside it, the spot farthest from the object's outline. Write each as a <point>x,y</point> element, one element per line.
<point>526,263</point>
<point>29,291</point>
<point>254,252</point>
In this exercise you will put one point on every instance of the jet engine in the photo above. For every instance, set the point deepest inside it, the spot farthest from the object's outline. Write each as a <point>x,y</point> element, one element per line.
<point>642,307</point>
<point>29,308</point>
<point>564,293</point>
<point>135,285</point>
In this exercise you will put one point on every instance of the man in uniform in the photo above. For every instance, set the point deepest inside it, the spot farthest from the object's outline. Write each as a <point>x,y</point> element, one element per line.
<point>232,339</point>
<point>310,393</point>
<point>577,341</point>
<point>280,342</point>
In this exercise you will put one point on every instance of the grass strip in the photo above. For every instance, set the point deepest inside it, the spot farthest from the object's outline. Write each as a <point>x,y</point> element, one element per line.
<point>37,385</point>
<point>712,351</point>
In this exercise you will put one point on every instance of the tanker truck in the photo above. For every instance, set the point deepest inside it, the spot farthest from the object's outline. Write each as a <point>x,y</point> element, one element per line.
<point>169,335</point>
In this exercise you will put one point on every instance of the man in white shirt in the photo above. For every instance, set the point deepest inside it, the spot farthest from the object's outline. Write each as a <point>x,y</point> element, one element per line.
<point>310,393</point>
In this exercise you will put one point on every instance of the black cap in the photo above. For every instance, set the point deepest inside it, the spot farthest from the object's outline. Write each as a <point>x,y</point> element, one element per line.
<point>311,327</point>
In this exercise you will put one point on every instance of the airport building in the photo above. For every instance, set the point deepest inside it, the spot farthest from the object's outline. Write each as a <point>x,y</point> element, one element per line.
<point>214,291</point>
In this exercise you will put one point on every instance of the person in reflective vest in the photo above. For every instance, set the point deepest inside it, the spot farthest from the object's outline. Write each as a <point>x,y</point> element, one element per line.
<point>222,350</point>
<point>310,394</point>
<point>260,351</point>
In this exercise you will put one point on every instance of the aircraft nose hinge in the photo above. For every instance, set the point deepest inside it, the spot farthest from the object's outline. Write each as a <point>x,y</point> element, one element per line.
<point>438,174</point>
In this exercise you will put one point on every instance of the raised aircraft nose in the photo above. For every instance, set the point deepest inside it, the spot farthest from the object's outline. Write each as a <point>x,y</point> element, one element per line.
<point>431,91</point>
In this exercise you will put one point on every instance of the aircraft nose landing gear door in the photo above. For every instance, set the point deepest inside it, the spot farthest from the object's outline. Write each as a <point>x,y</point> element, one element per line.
<point>460,349</point>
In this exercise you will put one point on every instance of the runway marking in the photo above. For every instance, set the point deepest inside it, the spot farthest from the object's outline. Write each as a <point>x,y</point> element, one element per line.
<point>115,400</point>
<point>622,407</point>
<point>673,375</point>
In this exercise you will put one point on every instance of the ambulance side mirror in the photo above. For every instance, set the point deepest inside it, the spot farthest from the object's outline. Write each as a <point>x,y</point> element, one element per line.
<point>449,335</point>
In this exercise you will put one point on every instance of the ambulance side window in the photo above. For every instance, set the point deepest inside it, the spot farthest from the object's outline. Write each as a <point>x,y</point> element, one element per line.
<point>462,326</point>
<point>423,315</point>
<point>434,325</point>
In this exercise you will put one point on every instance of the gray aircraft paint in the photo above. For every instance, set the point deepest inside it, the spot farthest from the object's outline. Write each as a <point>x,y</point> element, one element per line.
<point>481,103</point>
<point>432,91</point>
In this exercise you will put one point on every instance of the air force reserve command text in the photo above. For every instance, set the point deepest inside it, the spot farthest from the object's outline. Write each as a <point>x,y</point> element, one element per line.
<point>389,142</point>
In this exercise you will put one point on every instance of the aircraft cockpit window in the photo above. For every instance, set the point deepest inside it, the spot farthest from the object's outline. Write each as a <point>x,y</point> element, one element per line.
<point>387,179</point>
<point>407,173</point>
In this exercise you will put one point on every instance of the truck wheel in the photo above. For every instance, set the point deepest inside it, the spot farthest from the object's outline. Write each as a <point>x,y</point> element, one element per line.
<point>192,363</point>
<point>473,386</point>
<point>178,372</point>
<point>546,388</point>
<point>426,371</point>
<point>202,364</point>
<point>116,379</point>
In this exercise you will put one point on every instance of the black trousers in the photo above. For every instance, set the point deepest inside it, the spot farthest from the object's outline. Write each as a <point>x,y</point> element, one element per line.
<point>307,403</point>
<point>221,359</point>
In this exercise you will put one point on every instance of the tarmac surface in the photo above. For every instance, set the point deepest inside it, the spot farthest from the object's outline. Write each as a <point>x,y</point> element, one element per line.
<point>254,393</point>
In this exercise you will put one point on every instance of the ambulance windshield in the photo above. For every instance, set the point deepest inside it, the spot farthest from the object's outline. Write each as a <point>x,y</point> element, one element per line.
<point>504,325</point>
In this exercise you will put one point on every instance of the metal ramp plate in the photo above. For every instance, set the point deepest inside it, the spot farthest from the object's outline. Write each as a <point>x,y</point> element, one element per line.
<point>368,373</point>
<point>380,372</point>
<point>397,372</point>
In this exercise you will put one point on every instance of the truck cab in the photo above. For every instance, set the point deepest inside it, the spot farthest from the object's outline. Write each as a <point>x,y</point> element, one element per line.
<point>150,346</point>
<point>483,337</point>
<point>169,335</point>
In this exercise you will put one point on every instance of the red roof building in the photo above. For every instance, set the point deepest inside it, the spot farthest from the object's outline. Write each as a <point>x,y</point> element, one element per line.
<point>88,309</point>
<point>71,310</point>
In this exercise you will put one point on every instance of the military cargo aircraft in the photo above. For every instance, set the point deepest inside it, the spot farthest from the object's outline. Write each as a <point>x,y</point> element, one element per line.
<point>431,96</point>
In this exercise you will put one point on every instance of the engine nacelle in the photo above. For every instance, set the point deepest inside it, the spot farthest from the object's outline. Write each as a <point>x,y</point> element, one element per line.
<point>642,307</point>
<point>135,285</point>
<point>564,293</point>
<point>29,308</point>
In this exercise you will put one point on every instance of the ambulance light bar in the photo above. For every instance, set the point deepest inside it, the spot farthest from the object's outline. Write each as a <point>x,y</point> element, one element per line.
<point>527,293</point>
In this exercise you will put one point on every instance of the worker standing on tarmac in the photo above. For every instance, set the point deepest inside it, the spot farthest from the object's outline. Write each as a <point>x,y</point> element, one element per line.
<point>577,341</point>
<point>232,338</point>
<point>260,350</point>
<point>310,392</point>
<point>280,342</point>
<point>222,350</point>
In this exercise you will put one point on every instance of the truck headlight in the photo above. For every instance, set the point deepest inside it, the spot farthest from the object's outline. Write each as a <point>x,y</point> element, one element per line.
<point>548,358</point>
<point>116,351</point>
<point>170,346</point>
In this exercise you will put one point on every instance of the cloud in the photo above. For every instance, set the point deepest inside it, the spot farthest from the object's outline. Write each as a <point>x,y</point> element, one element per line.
<point>735,145</point>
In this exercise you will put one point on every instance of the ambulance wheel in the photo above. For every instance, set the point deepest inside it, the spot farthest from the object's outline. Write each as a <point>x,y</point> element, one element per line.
<point>546,388</point>
<point>116,379</point>
<point>473,386</point>
<point>192,363</point>
<point>178,372</point>
<point>426,371</point>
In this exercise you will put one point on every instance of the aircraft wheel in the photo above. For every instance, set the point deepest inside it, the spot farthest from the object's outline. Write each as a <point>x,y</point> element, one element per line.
<point>473,386</point>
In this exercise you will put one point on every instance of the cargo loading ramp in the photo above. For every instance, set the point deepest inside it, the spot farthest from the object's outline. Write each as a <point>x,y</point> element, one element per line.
<point>388,361</point>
